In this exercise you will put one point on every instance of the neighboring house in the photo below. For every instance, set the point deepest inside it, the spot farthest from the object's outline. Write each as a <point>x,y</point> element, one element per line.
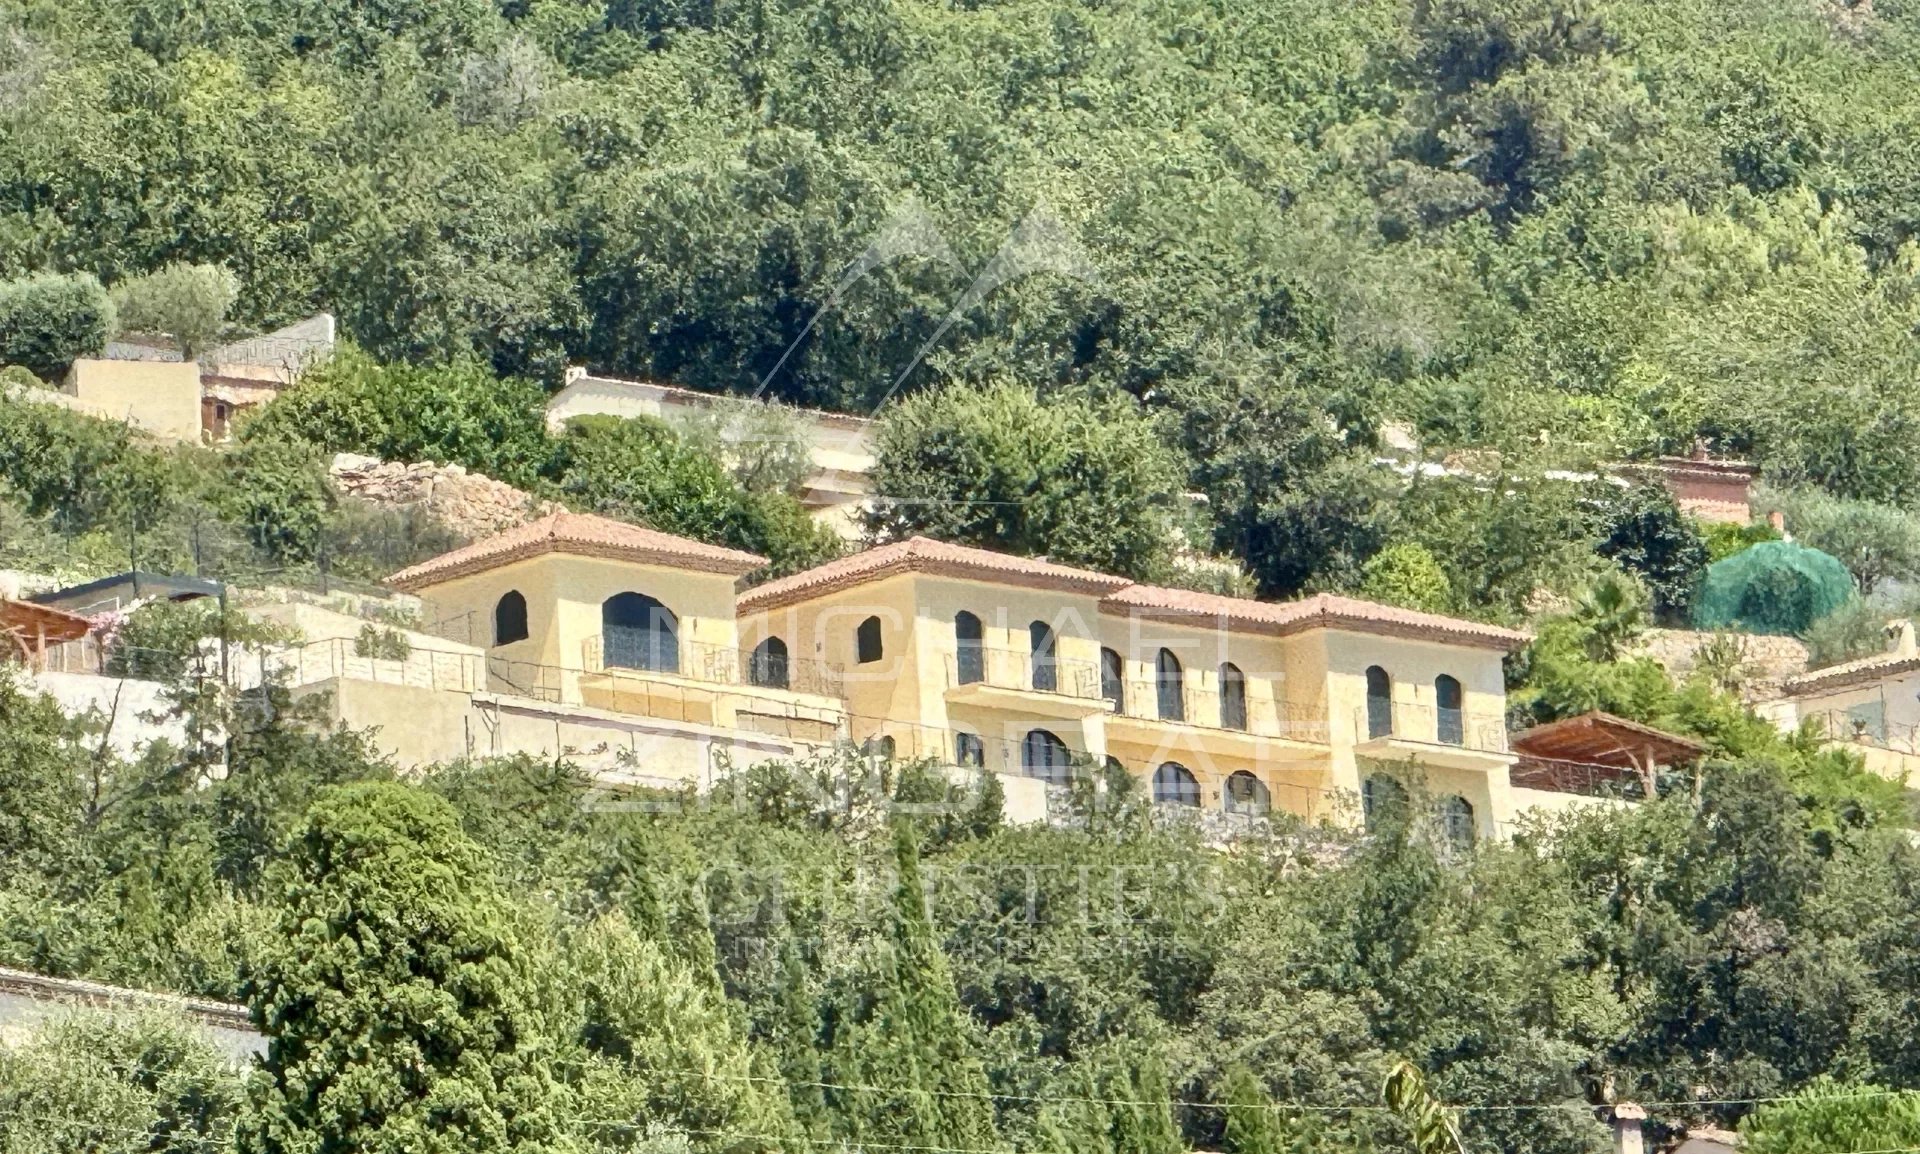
<point>1870,706</point>
<point>157,397</point>
<point>1705,488</point>
<point>130,710</point>
<point>147,382</point>
<point>246,374</point>
<point>839,445</point>
<point>27,1000</point>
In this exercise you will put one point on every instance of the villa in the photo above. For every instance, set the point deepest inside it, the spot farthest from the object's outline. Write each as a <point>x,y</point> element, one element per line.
<point>635,653</point>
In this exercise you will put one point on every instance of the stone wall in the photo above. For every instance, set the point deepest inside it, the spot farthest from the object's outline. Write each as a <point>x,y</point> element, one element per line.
<point>1765,662</point>
<point>470,504</point>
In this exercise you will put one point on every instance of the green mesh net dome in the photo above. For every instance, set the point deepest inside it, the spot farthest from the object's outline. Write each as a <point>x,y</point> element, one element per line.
<point>1772,587</point>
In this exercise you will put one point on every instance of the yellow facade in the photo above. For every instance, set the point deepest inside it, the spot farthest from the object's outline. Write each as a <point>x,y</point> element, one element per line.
<point>159,397</point>
<point>983,662</point>
<point>1303,730</point>
<point>558,690</point>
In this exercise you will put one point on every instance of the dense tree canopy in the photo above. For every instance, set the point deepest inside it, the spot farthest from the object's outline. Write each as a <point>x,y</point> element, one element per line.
<point>1565,231</point>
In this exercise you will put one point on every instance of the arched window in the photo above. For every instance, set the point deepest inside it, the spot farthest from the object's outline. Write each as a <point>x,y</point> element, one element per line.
<point>767,666</point>
<point>866,641</point>
<point>970,660</point>
<point>1456,821</point>
<point>1045,756</point>
<point>1248,795</point>
<point>1113,680</point>
<point>1173,703</point>
<point>1174,784</point>
<point>1233,697</point>
<point>881,746</point>
<point>510,618</point>
<point>638,632</point>
<point>1381,798</point>
<point>1046,676</point>
<point>1379,702</point>
<point>969,750</point>
<point>1450,726</point>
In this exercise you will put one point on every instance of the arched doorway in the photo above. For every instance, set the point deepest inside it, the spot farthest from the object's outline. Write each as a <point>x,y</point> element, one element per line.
<point>1045,756</point>
<point>1174,784</point>
<point>638,632</point>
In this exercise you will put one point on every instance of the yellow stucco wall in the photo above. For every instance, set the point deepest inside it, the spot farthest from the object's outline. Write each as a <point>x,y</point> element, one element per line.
<point>160,397</point>
<point>1306,740</point>
<point>564,595</point>
<point>1305,693</point>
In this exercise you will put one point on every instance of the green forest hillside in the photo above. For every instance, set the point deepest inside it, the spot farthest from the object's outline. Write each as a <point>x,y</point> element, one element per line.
<point>1568,231</point>
<point>1584,227</point>
<point>1175,266</point>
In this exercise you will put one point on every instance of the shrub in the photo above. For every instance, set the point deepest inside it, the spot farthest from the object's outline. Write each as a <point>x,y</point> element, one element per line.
<point>1406,575</point>
<point>1644,533</point>
<point>458,414</point>
<point>640,469</point>
<point>188,302</point>
<point>381,643</point>
<point>49,321</point>
<point>1833,1116</point>
<point>1082,481</point>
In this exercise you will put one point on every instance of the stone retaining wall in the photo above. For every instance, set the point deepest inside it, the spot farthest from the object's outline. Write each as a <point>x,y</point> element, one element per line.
<point>470,504</point>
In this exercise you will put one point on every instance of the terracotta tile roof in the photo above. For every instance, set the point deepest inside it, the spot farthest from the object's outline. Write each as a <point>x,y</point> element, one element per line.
<point>1323,611</point>
<point>580,534</point>
<point>926,555</point>
<point>1122,597</point>
<point>1849,673</point>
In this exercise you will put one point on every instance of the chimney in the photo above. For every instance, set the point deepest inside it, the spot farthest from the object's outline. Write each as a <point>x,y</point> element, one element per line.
<point>1778,521</point>
<point>1900,638</point>
<point>574,373</point>
<point>1627,1139</point>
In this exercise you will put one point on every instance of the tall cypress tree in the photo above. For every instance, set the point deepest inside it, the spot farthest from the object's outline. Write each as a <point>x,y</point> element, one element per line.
<point>398,1011</point>
<point>1117,1099</point>
<point>906,1046</point>
<point>688,1065</point>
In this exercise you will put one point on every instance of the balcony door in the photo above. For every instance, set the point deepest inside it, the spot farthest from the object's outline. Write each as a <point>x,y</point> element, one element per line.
<point>1171,687</point>
<point>1113,680</point>
<point>969,659</point>
<point>638,632</point>
<point>1046,674</point>
<point>1450,723</point>
<point>1379,702</point>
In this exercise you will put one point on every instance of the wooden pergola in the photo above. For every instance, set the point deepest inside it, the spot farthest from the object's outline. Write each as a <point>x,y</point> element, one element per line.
<point>1575,752</point>
<point>32,630</point>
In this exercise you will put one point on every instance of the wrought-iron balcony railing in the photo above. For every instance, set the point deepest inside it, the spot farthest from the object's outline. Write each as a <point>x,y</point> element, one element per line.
<point>1432,725</point>
<point>1249,711</point>
<point>716,664</point>
<point>1013,669</point>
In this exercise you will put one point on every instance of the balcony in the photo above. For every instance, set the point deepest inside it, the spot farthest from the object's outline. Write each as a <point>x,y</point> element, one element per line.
<point>720,665</point>
<point>1013,680</point>
<point>708,685</point>
<point>1448,738</point>
<point>1269,728</point>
